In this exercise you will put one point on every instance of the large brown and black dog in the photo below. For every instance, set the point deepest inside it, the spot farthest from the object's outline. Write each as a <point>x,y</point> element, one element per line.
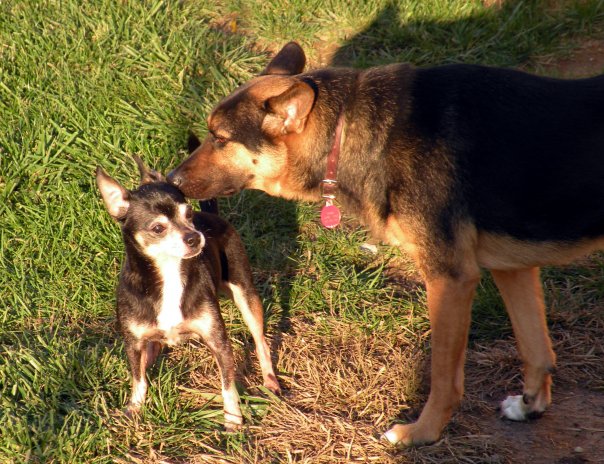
<point>463,167</point>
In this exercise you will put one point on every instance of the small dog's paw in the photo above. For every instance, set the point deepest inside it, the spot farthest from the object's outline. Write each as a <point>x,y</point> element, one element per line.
<point>272,384</point>
<point>231,427</point>
<point>131,411</point>
<point>232,422</point>
<point>514,408</point>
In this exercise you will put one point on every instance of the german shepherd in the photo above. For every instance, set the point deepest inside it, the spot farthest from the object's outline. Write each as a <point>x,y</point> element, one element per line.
<point>463,167</point>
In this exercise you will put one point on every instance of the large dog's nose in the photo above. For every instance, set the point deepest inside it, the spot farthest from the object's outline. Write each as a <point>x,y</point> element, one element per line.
<point>174,178</point>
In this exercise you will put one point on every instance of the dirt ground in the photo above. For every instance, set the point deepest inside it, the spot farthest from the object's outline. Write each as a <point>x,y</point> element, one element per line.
<point>584,61</point>
<point>572,431</point>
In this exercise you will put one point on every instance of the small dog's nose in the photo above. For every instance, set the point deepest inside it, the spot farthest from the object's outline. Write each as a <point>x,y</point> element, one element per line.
<point>193,239</point>
<point>174,178</point>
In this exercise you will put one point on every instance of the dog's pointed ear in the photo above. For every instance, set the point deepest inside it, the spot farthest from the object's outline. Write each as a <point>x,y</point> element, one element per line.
<point>292,108</point>
<point>115,197</point>
<point>193,142</point>
<point>147,175</point>
<point>289,61</point>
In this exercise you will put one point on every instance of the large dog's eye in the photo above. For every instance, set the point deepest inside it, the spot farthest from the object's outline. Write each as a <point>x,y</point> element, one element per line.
<point>220,140</point>
<point>157,228</point>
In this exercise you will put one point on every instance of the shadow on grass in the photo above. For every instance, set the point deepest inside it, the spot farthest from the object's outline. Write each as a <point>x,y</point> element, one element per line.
<point>506,34</point>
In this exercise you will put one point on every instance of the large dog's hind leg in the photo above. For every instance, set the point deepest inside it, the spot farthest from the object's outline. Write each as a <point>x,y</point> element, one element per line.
<point>449,305</point>
<point>523,297</point>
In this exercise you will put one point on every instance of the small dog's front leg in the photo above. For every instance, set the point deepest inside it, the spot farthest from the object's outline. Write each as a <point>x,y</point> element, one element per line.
<point>221,348</point>
<point>210,327</point>
<point>138,360</point>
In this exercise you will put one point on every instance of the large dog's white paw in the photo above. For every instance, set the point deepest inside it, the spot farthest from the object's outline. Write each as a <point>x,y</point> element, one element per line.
<point>391,436</point>
<point>402,435</point>
<point>514,408</point>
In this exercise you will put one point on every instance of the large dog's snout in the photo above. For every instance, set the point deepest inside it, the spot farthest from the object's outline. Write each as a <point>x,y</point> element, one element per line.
<point>175,178</point>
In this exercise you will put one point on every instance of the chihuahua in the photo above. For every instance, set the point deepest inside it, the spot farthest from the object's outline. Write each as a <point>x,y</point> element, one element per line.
<point>176,262</point>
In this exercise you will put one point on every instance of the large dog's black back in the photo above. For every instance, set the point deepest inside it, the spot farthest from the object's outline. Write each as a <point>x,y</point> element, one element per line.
<point>528,150</point>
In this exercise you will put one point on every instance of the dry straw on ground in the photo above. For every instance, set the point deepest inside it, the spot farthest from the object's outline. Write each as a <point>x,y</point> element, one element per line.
<point>344,384</point>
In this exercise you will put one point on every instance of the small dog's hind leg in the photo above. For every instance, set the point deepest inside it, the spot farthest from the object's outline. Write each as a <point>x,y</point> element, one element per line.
<point>243,292</point>
<point>211,329</point>
<point>523,297</point>
<point>248,302</point>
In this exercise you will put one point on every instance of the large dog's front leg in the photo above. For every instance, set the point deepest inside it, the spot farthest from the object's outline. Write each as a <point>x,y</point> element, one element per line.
<point>449,305</point>
<point>523,296</point>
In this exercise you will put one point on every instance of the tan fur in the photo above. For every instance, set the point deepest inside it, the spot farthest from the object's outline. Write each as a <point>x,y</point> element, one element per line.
<point>398,236</point>
<point>506,253</point>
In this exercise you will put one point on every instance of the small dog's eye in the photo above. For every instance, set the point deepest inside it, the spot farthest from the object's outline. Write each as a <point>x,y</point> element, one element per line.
<point>189,213</point>
<point>158,228</point>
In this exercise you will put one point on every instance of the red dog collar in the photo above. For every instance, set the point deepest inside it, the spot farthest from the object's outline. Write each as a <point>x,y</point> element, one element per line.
<point>330,213</point>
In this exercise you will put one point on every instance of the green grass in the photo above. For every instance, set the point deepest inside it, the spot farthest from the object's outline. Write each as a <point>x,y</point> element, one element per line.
<point>87,83</point>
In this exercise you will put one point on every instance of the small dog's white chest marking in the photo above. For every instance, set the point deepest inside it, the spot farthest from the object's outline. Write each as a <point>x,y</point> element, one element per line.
<point>170,313</point>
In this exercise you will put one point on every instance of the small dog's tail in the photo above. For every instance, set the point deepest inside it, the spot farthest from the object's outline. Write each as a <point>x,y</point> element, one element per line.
<point>207,206</point>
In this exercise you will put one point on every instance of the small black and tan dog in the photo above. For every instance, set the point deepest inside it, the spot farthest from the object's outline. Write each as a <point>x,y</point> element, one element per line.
<point>176,262</point>
<point>464,167</point>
